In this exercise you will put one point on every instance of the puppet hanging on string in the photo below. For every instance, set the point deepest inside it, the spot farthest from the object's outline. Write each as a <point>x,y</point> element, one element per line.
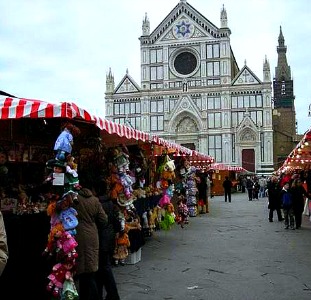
<point>64,142</point>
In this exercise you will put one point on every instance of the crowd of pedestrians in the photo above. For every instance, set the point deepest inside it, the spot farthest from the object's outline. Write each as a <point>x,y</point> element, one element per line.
<point>292,191</point>
<point>287,194</point>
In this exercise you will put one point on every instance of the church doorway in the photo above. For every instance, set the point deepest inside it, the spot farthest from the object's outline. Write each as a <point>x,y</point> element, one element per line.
<point>248,160</point>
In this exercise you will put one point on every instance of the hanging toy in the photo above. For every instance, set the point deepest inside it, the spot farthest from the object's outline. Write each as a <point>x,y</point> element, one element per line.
<point>64,142</point>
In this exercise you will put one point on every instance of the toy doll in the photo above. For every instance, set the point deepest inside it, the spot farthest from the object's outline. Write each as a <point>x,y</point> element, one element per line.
<point>60,273</point>
<point>182,211</point>
<point>64,142</point>
<point>71,177</point>
<point>121,160</point>
<point>121,251</point>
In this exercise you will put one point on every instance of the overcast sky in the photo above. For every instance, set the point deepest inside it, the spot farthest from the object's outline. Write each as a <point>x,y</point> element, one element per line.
<point>56,50</point>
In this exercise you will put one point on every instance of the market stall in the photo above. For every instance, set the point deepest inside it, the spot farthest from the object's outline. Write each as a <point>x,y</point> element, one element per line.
<point>300,156</point>
<point>28,132</point>
<point>29,128</point>
<point>219,171</point>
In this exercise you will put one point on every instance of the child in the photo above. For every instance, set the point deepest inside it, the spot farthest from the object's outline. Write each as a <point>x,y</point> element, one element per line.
<point>287,204</point>
<point>182,211</point>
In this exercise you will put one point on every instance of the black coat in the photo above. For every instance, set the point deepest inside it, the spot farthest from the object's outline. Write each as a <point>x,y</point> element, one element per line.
<point>227,185</point>
<point>298,194</point>
<point>107,234</point>
<point>274,191</point>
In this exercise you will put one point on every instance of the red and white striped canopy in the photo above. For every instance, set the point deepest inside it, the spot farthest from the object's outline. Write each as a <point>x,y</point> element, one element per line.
<point>193,155</point>
<point>16,108</point>
<point>224,167</point>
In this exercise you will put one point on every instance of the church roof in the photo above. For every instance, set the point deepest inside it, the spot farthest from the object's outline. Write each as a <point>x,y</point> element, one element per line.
<point>246,76</point>
<point>183,12</point>
<point>127,85</point>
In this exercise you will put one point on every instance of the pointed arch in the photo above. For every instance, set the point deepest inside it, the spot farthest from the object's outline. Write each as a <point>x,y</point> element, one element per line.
<point>247,135</point>
<point>183,118</point>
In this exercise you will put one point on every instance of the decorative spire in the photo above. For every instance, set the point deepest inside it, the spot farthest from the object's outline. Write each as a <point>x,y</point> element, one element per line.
<point>223,18</point>
<point>281,38</point>
<point>282,70</point>
<point>146,25</point>
<point>266,70</point>
<point>109,82</point>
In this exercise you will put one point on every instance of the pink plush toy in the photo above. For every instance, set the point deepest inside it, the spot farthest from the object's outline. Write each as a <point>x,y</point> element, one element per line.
<point>60,273</point>
<point>66,245</point>
<point>165,199</point>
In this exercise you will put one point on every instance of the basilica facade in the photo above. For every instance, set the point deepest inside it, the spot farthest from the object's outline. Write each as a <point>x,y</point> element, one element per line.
<point>192,92</point>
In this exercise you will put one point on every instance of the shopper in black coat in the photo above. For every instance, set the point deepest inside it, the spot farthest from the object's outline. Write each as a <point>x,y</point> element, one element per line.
<point>104,277</point>
<point>227,185</point>
<point>274,190</point>
<point>298,195</point>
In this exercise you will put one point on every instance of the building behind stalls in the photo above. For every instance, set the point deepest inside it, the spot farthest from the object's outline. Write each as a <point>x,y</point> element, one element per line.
<point>193,92</point>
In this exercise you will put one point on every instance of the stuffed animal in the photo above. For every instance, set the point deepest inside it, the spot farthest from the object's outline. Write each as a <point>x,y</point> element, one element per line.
<point>68,218</point>
<point>168,221</point>
<point>139,193</point>
<point>165,199</point>
<point>153,214</point>
<point>167,174</point>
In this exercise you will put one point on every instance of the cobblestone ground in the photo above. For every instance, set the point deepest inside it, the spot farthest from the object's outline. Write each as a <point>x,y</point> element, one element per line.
<point>232,252</point>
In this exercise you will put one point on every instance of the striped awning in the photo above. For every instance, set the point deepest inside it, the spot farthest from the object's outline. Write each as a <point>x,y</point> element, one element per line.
<point>16,108</point>
<point>224,167</point>
<point>181,150</point>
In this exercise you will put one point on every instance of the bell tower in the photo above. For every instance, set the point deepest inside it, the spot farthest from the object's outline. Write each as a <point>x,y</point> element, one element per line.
<point>283,90</point>
<point>284,114</point>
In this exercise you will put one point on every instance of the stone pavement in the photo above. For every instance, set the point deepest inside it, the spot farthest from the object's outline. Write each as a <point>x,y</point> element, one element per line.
<point>232,252</point>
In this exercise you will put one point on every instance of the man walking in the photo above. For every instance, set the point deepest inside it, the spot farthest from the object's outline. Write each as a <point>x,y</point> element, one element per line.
<point>263,184</point>
<point>227,185</point>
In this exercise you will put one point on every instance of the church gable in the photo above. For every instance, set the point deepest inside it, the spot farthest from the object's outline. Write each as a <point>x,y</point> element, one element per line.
<point>247,130</point>
<point>186,110</point>
<point>184,28</point>
<point>246,76</point>
<point>185,104</point>
<point>183,22</point>
<point>127,85</point>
